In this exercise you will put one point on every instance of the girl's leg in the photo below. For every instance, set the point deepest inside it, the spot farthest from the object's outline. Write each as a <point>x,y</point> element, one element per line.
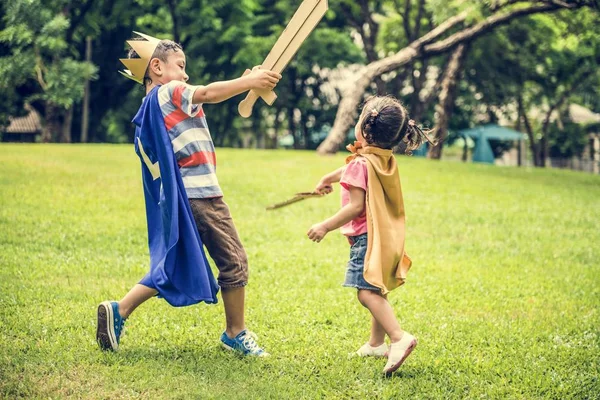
<point>136,296</point>
<point>403,343</point>
<point>377,333</point>
<point>382,313</point>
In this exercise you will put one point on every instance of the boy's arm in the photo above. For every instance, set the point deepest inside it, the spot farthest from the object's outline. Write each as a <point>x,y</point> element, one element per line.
<point>324,185</point>
<point>346,214</point>
<point>217,92</point>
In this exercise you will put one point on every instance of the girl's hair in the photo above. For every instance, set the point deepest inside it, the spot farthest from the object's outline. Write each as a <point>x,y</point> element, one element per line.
<point>385,123</point>
<point>162,51</point>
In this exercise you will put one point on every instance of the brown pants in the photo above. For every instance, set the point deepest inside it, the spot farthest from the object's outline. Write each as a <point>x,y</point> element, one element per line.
<point>221,239</point>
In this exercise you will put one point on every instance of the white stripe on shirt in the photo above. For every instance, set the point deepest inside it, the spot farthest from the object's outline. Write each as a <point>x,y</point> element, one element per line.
<point>198,181</point>
<point>189,136</point>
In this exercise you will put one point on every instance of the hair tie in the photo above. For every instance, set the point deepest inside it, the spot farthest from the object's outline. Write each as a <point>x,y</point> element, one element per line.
<point>374,112</point>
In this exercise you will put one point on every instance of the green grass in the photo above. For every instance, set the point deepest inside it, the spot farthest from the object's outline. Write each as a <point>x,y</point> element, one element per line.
<point>504,294</point>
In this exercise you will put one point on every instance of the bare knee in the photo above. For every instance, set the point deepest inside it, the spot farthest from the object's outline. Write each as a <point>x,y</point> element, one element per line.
<point>366,297</point>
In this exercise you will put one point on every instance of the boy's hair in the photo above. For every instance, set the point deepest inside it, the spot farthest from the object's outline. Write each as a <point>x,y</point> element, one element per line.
<point>162,51</point>
<point>385,123</point>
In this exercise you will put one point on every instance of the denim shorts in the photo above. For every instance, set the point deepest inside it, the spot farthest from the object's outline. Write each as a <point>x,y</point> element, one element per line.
<point>356,265</point>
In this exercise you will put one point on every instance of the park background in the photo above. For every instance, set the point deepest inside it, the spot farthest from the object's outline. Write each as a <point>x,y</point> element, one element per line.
<point>504,295</point>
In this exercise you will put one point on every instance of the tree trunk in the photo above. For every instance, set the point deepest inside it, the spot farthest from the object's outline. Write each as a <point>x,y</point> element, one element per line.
<point>272,143</point>
<point>535,153</point>
<point>416,108</point>
<point>443,110</point>
<point>421,47</point>
<point>305,130</point>
<point>292,126</point>
<point>65,132</point>
<point>174,18</point>
<point>51,124</point>
<point>465,154</point>
<point>85,108</point>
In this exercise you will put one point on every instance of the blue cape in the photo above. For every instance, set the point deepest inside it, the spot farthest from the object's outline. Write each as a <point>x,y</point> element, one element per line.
<point>179,269</point>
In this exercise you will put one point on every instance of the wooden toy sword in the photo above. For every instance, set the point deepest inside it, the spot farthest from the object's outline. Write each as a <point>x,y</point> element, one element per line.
<point>303,22</point>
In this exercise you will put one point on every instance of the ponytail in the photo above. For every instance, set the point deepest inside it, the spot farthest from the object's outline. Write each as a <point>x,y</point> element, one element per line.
<point>414,137</point>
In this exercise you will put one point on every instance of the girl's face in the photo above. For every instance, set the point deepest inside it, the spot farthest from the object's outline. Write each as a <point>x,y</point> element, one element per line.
<point>358,132</point>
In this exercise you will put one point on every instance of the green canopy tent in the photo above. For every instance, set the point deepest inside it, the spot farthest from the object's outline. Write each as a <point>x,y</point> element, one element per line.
<point>482,134</point>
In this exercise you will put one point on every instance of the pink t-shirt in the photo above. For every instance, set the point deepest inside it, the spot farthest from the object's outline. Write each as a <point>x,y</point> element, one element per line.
<point>356,175</point>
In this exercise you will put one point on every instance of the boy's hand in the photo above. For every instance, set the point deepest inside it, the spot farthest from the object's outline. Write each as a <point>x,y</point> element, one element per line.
<point>317,232</point>
<point>262,78</point>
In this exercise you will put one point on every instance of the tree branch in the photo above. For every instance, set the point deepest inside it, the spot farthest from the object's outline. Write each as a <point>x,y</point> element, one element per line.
<point>421,47</point>
<point>173,11</point>
<point>443,109</point>
<point>406,21</point>
<point>484,27</point>
<point>417,30</point>
<point>75,20</point>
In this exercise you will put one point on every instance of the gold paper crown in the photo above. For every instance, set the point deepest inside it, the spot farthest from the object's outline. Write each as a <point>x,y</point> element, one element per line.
<point>136,67</point>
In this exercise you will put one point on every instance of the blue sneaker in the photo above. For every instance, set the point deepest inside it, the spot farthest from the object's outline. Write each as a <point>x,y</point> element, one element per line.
<point>244,343</point>
<point>110,325</point>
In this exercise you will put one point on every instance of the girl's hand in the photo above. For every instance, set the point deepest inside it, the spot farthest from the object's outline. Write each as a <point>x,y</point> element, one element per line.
<point>323,187</point>
<point>317,232</point>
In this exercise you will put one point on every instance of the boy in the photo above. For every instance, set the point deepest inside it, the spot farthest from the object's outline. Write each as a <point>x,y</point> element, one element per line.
<point>184,203</point>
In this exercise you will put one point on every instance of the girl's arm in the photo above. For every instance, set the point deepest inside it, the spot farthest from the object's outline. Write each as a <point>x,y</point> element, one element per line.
<point>324,185</point>
<point>346,214</point>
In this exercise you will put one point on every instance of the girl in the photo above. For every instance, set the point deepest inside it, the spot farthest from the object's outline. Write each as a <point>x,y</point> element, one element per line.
<point>372,218</point>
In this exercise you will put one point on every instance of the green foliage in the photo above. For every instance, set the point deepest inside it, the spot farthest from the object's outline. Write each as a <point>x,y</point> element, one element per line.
<point>568,140</point>
<point>501,308</point>
<point>42,48</point>
<point>544,59</point>
<point>35,35</point>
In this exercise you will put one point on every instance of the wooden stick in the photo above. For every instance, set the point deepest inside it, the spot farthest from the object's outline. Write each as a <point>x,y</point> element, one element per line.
<point>300,26</point>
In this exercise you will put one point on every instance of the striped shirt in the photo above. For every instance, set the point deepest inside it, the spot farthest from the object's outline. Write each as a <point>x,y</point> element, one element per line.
<point>192,144</point>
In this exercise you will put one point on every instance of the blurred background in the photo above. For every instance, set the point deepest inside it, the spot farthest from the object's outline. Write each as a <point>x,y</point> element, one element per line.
<point>507,82</point>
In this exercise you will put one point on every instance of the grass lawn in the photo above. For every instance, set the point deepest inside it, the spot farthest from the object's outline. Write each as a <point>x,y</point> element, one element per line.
<point>504,293</point>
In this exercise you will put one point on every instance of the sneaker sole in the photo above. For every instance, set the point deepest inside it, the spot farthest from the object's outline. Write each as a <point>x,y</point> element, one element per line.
<point>226,347</point>
<point>229,348</point>
<point>395,367</point>
<point>105,333</point>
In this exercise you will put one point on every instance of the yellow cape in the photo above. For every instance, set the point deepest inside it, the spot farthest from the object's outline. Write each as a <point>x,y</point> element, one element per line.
<point>386,263</point>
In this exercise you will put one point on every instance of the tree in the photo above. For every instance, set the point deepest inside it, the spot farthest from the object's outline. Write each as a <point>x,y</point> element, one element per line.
<point>532,69</point>
<point>36,35</point>
<point>429,45</point>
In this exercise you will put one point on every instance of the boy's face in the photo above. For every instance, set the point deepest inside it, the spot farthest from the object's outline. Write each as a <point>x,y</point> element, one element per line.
<point>172,70</point>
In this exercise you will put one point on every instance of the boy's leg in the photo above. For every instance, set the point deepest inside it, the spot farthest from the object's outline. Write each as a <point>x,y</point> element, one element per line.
<point>112,315</point>
<point>222,241</point>
<point>233,302</point>
<point>136,296</point>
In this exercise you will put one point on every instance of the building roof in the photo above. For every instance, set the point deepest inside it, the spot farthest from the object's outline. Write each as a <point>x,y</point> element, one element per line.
<point>31,123</point>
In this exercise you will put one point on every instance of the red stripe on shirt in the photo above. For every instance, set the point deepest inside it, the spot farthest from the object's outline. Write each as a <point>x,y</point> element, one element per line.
<point>174,118</point>
<point>176,98</point>
<point>201,157</point>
